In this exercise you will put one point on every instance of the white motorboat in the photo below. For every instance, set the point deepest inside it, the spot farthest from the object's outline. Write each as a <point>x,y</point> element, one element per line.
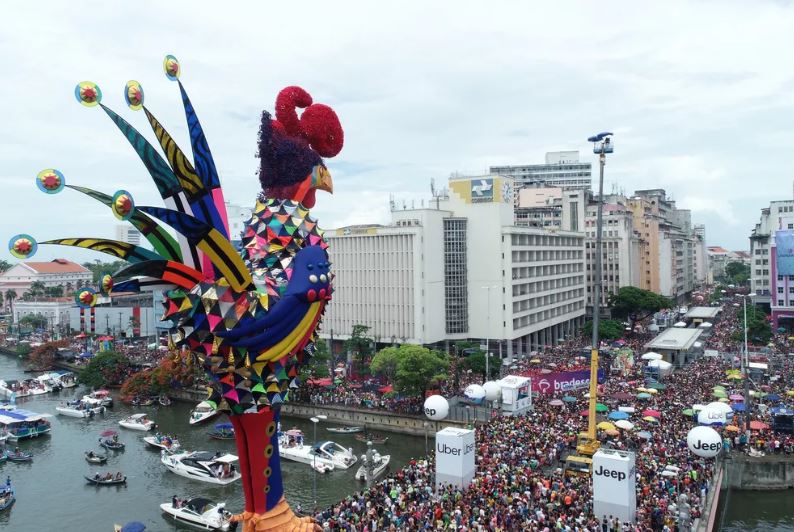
<point>200,512</point>
<point>292,448</point>
<point>163,442</point>
<point>99,397</point>
<point>79,409</point>
<point>379,465</point>
<point>202,412</point>
<point>214,468</point>
<point>35,386</point>
<point>67,379</point>
<point>50,381</point>
<point>345,430</point>
<point>137,422</point>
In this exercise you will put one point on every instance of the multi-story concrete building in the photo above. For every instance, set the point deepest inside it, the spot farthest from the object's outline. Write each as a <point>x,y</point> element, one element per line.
<point>460,271</point>
<point>701,255</point>
<point>127,233</point>
<point>562,169</point>
<point>769,285</point>
<point>237,216</point>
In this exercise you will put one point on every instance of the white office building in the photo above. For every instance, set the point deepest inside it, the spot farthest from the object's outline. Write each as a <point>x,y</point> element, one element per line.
<point>460,271</point>
<point>778,216</point>
<point>127,233</point>
<point>562,169</point>
<point>237,216</point>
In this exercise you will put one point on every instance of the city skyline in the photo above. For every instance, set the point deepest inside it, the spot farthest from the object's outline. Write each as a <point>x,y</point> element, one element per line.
<point>449,88</point>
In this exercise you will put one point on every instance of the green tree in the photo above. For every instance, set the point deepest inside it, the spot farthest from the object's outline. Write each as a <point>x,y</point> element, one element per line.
<point>737,273</point>
<point>360,346</point>
<point>607,329</point>
<point>4,265</point>
<point>385,363</point>
<point>107,367</point>
<point>317,367</point>
<point>759,331</point>
<point>636,304</point>
<point>53,291</point>
<point>34,321</point>
<point>417,367</point>
<point>98,269</point>
<point>476,363</point>
<point>23,349</point>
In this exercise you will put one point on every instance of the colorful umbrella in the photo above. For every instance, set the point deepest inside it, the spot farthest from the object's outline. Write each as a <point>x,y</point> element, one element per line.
<point>617,415</point>
<point>719,393</point>
<point>651,413</point>
<point>643,395</point>
<point>107,433</point>
<point>773,397</point>
<point>644,434</point>
<point>657,386</point>
<point>569,399</point>
<point>624,424</point>
<point>732,428</point>
<point>724,400</point>
<point>606,425</point>
<point>757,425</point>
<point>535,361</point>
<point>736,397</point>
<point>738,407</point>
<point>584,413</point>
<point>688,412</point>
<point>790,393</point>
<point>652,391</point>
<point>556,402</point>
<point>600,407</point>
<point>623,396</point>
<point>613,432</point>
<point>650,419</point>
<point>735,377</point>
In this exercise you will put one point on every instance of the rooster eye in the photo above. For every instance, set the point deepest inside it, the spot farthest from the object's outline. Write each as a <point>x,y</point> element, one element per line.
<point>312,278</point>
<point>323,277</point>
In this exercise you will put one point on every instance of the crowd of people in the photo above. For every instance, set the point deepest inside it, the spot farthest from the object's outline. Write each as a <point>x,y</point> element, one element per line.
<point>521,481</point>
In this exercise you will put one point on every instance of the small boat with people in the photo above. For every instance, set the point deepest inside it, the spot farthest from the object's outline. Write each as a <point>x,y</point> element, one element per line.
<point>202,412</point>
<point>95,458</point>
<point>36,387</point>
<point>79,409</point>
<point>99,397</point>
<point>18,455</point>
<point>345,430</point>
<point>108,479</point>
<point>379,464</point>
<point>142,401</point>
<point>374,437</point>
<point>51,381</point>
<point>110,440</point>
<point>198,511</point>
<point>322,467</point>
<point>214,468</point>
<point>223,431</point>
<point>163,442</point>
<point>24,424</point>
<point>291,446</point>
<point>67,379</point>
<point>164,400</point>
<point>137,422</point>
<point>7,496</point>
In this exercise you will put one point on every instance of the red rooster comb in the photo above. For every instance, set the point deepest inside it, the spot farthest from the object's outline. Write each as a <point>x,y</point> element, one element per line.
<point>318,124</point>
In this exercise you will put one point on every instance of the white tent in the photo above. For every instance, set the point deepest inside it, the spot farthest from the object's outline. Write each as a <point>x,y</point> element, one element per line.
<point>705,325</point>
<point>661,364</point>
<point>680,324</point>
<point>651,356</point>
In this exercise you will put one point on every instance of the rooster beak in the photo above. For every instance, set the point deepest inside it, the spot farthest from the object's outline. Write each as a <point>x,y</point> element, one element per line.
<point>323,180</point>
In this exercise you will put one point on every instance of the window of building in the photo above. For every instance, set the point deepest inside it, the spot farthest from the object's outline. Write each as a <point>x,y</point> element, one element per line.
<point>780,303</point>
<point>779,289</point>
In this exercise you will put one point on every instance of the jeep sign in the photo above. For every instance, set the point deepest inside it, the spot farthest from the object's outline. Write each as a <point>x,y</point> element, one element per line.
<point>704,441</point>
<point>614,485</point>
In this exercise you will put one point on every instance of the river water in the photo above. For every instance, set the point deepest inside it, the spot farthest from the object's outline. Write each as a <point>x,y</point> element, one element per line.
<point>53,495</point>
<point>757,511</point>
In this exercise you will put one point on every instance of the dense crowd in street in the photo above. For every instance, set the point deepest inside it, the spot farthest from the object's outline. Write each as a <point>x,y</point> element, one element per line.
<point>521,483</point>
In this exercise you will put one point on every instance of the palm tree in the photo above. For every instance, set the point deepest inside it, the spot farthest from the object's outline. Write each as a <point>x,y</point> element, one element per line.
<point>11,295</point>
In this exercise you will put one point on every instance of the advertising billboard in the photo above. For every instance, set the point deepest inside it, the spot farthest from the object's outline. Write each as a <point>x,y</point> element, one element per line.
<point>614,485</point>
<point>784,249</point>
<point>454,457</point>
<point>563,381</point>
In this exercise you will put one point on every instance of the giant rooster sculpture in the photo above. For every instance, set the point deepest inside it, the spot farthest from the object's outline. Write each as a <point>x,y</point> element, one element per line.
<point>250,320</point>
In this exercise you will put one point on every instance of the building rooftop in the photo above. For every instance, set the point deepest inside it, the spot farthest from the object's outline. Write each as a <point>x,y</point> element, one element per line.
<point>675,339</point>
<point>56,266</point>
<point>703,313</point>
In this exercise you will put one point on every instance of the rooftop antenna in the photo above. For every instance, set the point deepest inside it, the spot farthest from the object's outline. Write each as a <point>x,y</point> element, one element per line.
<point>392,206</point>
<point>435,193</point>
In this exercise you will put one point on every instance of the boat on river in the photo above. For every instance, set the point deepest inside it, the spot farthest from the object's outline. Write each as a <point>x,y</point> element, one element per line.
<point>291,446</point>
<point>137,422</point>
<point>377,439</point>
<point>200,512</point>
<point>79,409</point>
<point>164,400</point>
<point>223,431</point>
<point>379,464</point>
<point>95,458</point>
<point>99,397</point>
<point>67,379</point>
<point>18,456</point>
<point>202,412</point>
<point>7,496</point>
<point>24,424</point>
<point>214,468</point>
<point>345,430</point>
<point>162,442</point>
<point>110,440</point>
<point>106,480</point>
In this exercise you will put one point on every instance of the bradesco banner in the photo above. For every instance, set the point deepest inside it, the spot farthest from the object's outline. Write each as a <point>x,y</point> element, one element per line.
<point>563,381</point>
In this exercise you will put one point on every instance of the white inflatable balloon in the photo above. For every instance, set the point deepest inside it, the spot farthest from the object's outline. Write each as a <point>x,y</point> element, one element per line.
<point>721,407</point>
<point>492,390</point>
<point>704,441</point>
<point>475,392</point>
<point>712,416</point>
<point>436,407</point>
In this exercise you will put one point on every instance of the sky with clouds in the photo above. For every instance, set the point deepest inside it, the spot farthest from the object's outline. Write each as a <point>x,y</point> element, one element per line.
<point>699,95</point>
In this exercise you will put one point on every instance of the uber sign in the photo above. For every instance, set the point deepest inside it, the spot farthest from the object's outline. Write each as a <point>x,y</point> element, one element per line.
<point>614,485</point>
<point>455,452</point>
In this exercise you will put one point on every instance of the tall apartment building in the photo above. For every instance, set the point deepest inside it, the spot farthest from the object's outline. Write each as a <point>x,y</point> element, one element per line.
<point>562,169</point>
<point>701,255</point>
<point>621,247</point>
<point>772,284</point>
<point>127,233</point>
<point>461,271</point>
<point>237,216</point>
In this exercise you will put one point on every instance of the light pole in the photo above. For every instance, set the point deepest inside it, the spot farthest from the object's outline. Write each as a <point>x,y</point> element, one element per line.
<point>316,419</point>
<point>488,336</point>
<point>602,144</point>
<point>746,370</point>
<point>425,424</point>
